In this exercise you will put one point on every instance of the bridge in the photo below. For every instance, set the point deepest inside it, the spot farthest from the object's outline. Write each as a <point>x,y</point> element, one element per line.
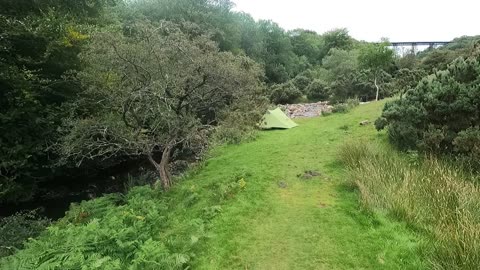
<point>415,44</point>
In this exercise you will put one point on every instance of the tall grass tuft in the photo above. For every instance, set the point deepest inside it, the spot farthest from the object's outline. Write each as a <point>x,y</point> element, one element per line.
<point>430,195</point>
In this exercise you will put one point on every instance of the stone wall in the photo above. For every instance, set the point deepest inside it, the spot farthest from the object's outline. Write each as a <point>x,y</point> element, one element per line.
<point>306,109</point>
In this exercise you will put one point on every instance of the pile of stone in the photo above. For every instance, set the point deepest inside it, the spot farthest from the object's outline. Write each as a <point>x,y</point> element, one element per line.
<point>306,109</point>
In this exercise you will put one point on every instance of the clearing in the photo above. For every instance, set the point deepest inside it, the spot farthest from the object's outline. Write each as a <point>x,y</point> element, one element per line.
<point>283,221</point>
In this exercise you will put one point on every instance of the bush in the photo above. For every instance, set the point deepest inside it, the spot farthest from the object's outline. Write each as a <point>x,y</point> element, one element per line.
<point>317,90</point>
<point>355,84</point>
<point>16,229</point>
<point>301,82</point>
<point>284,93</point>
<point>340,108</point>
<point>429,195</point>
<point>440,114</point>
<point>345,107</point>
<point>352,102</point>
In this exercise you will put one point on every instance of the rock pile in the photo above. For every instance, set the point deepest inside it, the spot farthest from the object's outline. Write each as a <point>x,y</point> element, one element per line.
<point>306,109</point>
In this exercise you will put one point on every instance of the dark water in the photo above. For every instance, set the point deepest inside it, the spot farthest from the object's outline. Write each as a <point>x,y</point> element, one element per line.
<point>51,208</point>
<point>53,198</point>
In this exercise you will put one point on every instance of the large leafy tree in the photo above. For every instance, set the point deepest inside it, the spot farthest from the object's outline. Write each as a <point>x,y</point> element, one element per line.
<point>278,56</point>
<point>153,90</point>
<point>377,58</point>
<point>341,62</point>
<point>337,38</point>
<point>308,44</point>
<point>39,43</point>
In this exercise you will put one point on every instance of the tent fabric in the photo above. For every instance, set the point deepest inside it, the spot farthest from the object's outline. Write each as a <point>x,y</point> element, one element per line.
<point>276,119</point>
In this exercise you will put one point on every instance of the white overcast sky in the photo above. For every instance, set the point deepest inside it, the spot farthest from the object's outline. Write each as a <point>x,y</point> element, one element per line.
<point>370,20</point>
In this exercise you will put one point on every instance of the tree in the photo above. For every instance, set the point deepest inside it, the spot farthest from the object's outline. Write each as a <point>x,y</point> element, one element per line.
<point>406,79</point>
<point>284,93</point>
<point>301,82</point>
<point>153,90</point>
<point>340,62</point>
<point>318,90</point>
<point>376,58</point>
<point>278,56</point>
<point>352,85</point>
<point>337,38</point>
<point>309,44</point>
<point>39,44</point>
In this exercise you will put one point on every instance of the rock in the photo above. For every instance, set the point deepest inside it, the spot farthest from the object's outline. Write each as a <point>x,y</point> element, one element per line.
<point>282,184</point>
<point>308,175</point>
<point>364,123</point>
<point>306,109</point>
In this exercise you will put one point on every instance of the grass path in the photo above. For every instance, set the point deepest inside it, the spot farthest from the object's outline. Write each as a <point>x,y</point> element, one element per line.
<point>310,224</point>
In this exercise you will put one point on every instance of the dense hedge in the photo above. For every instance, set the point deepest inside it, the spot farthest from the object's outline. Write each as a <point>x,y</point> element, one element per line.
<point>284,93</point>
<point>441,114</point>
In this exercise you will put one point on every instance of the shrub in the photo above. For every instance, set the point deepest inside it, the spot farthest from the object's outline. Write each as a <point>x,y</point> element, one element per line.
<point>345,107</point>
<point>355,84</point>
<point>340,108</point>
<point>284,93</point>
<point>16,229</point>
<point>317,90</point>
<point>301,82</point>
<point>440,114</point>
<point>352,102</point>
<point>468,142</point>
<point>429,195</point>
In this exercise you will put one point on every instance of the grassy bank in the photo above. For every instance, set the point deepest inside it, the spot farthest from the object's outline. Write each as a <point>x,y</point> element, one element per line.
<point>431,196</point>
<point>249,206</point>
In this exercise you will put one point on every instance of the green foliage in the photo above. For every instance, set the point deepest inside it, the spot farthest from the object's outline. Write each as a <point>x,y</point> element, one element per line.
<point>406,79</point>
<point>165,101</point>
<point>280,61</point>
<point>468,143</point>
<point>431,196</point>
<point>284,93</point>
<point>337,38</point>
<point>39,49</point>
<point>433,60</point>
<point>302,82</point>
<point>318,90</point>
<point>240,125</point>
<point>375,56</point>
<point>112,237</point>
<point>341,62</point>
<point>377,59</point>
<point>144,229</point>
<point>214,220</point>
<point>16,229</point>
<point>308,44</point>
<point>440,114</point>
<point>345,107</point>
<point>356,84</point>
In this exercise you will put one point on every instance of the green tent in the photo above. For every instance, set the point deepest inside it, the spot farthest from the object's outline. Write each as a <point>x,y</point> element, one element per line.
<point>276,119</point>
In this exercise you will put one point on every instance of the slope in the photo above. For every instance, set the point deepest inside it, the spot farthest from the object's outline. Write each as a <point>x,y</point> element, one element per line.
<point>286,219</point>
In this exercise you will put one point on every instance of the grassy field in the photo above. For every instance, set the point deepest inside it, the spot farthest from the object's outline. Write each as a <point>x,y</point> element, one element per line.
<point>247,206</point>
<point>432,195</point>
<point>281,221</point>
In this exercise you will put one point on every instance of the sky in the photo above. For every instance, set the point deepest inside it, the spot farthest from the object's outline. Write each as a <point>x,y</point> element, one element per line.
<point>370,20</point>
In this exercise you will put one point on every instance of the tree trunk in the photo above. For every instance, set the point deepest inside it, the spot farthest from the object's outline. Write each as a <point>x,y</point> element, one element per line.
<point>376,86</point>
<point>162,168</point>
